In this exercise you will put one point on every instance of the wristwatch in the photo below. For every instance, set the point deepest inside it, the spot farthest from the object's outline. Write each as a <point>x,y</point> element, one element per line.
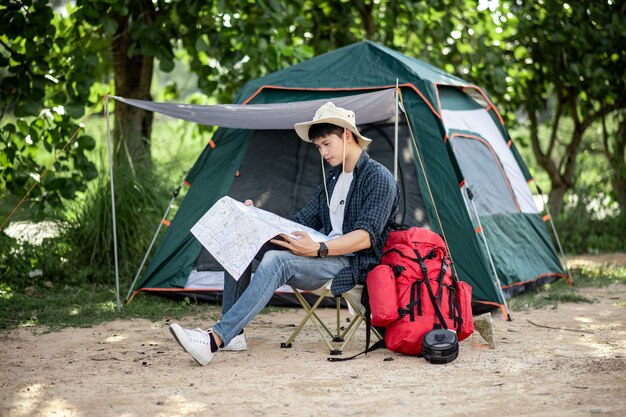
<point>322,252</point>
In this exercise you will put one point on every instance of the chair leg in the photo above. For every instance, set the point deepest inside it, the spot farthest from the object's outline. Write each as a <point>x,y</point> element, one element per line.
<point>327,336</point>
<point>338,336</point>
<point>355,323</point>
<point>310,314</point>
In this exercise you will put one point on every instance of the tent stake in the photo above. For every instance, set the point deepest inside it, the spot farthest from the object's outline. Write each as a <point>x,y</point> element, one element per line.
<point>117,272</point>
<point>481,232</point>
<point>167,211</point>
<point>556,235</point>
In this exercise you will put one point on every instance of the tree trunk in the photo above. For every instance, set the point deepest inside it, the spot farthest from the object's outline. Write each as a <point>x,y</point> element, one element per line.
<point>133,78</point>
<point>555,199</point>
<point>617,162</point>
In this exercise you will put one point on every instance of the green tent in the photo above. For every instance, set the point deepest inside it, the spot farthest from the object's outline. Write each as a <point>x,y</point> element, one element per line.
<point>451,143</point>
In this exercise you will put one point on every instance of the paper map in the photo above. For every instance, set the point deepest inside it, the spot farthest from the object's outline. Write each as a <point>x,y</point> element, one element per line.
<point>233,232</point>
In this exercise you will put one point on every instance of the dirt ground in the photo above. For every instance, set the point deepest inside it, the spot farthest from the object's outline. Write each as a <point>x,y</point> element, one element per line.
<point>575,366</point>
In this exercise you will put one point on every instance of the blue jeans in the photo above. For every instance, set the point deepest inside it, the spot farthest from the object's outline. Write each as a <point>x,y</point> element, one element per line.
<point>245,299</point>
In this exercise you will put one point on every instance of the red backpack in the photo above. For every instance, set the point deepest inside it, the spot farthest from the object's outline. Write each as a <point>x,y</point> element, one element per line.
<point>413,275</point>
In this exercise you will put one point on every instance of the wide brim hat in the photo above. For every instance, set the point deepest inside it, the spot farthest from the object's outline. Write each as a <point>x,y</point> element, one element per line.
<point>329,113</point>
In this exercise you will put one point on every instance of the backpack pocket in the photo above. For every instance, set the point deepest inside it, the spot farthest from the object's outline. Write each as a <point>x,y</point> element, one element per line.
<point>381,287</point>
<point>464,300</point>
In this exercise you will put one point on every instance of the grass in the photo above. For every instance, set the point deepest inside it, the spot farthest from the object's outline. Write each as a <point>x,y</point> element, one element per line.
<point>53,309</point>
<point>553,294</point>
<point>86,305</point>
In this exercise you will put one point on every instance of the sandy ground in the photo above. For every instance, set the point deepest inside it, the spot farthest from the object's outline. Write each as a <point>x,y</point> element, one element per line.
<point>135,368</point>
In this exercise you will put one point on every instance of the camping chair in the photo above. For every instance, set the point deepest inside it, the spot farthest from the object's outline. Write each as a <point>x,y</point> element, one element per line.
<point>352,299</point>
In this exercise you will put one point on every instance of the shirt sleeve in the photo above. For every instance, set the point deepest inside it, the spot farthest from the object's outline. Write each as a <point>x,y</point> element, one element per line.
<point>378,202</point>
<point>310,215</point>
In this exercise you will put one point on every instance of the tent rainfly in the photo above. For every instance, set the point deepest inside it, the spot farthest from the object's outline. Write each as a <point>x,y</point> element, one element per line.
<point>459,173</point>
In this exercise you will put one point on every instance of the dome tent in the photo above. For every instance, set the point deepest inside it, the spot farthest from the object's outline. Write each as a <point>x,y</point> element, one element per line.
<point>451,138</point>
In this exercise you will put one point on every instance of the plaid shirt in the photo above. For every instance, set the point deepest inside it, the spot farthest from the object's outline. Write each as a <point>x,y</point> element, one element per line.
<point>372,204</point>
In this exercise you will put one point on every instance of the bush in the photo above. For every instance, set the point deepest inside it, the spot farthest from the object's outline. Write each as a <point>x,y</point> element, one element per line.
<point>140,201</point>
<point>582,230</point>
<point>23,264</point>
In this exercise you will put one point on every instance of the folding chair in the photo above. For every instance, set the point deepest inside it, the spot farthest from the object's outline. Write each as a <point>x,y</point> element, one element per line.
<point>343,336</point>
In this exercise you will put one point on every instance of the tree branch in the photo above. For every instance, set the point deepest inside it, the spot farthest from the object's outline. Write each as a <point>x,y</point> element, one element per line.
<point>573,147</point>
<point>555,127</point>
<point>605,139</point>
<point>604,110</point>
<point>534,133</point>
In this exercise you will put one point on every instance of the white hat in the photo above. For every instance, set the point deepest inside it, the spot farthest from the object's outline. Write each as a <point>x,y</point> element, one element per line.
<point>329,113</point>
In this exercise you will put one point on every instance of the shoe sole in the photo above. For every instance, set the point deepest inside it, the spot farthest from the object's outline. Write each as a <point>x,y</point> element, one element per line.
<point>173,328</point>
<point>234,349</point>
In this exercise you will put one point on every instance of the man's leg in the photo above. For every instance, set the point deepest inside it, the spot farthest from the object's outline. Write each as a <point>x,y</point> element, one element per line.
<point>275,270</point>
<point>234,288</point>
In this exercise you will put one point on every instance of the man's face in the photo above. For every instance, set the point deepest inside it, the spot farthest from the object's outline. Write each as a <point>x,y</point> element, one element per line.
<point>331,148</point>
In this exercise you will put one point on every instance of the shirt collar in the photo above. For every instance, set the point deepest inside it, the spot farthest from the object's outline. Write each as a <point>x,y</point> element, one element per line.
<point>360,164</point>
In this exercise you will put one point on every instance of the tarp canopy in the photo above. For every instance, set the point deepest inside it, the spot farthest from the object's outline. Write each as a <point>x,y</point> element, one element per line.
<point>370,107</point>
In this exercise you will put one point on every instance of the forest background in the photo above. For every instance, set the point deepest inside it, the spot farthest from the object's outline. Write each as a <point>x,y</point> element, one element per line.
<point>555,69</point>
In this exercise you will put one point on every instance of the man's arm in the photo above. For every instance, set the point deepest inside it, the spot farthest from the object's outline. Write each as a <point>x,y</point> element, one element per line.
<point>380,196</point>
<point>351,242</point>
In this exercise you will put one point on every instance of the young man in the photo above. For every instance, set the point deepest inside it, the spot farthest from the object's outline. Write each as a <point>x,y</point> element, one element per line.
<point>355,206</point>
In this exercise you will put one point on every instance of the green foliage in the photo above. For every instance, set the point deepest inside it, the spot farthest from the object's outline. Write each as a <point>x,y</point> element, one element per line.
<point>559,62</point>
<point>598,276</point>
<point>552,60</point>
<point>44,87</point>
<point>553,294</point>
<point>140,201</point>
<point>581,233</point>
<point>85,306</point>
<point>23,264</point>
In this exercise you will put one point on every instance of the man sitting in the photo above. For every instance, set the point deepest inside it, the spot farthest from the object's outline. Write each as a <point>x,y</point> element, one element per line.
<point>357,216</point>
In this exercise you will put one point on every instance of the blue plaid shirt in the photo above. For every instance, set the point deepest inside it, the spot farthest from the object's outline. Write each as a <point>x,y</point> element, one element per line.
<point>372,204</point>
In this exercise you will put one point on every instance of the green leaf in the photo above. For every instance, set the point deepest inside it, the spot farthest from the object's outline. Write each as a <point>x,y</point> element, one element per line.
<point>27,108</point>
<point>89,171</point>
<point>22,125</point>
<point>76,110</point>
<point>110,26</point>
<point>166,65</point>
<point>86,142</point>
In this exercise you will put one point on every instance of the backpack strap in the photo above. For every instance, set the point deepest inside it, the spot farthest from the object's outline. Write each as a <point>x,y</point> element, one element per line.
<point>399,252</point>
<point>442,273</point>
<point>378,345</point>
<point>442,321</point>
<point>365,300</point>
<point>414,301</point>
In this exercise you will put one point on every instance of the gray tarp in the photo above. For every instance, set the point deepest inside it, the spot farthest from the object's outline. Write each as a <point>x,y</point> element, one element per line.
<point>368,107</point>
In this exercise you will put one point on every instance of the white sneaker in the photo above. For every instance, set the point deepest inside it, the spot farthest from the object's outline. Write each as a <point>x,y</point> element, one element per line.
<point>237,344</point>
<point>195,341</point>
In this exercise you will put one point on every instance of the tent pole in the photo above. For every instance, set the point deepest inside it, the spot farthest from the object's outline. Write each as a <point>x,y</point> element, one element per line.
<point>556,235</point>
<point>164,218</point>
<point>481,232</point>
<point>395,138</point>
<point>117,271</point>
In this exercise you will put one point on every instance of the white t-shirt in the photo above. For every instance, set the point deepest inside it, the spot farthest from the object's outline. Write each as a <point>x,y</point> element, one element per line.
<point>338,203</point>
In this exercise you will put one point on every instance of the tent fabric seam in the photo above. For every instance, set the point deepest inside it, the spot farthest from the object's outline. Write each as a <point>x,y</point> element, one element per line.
<point>547,274</point>
<point>485,143</point>
<point>410,85</point>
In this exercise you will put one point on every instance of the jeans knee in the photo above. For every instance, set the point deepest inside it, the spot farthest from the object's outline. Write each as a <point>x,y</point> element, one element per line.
<point>276,260</point>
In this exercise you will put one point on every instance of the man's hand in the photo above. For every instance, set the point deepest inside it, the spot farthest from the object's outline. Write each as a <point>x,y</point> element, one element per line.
<point>304,246</point>
<point>249,203</point>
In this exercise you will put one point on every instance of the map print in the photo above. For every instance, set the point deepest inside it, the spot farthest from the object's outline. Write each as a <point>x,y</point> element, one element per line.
<point>233,232</point>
